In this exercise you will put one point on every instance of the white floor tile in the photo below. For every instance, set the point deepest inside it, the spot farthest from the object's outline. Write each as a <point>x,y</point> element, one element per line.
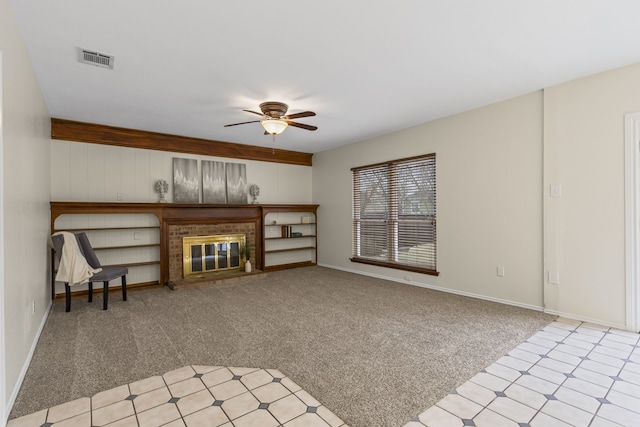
<point>503,372</point>
<point>567,413</point>
<point>585,387</point>
<point>526,396</point>
<point>547,374</point>
<point>511,409</point>
<point>459,406</point>
<point>490,381</point>
<point>544,420</point>
<point>438,417</point>
<point>476,393</point>
<point>514,363</point>
<point>593,377</point>
<point>489,418</point>
<point>619,415</point>
<point>577,399</point>
<point>599,367</point>
<point>631,403</point>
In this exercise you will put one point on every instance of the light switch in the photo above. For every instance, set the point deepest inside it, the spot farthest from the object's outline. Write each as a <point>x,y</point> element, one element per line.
<point>500,271</point>
<point>554,278</point>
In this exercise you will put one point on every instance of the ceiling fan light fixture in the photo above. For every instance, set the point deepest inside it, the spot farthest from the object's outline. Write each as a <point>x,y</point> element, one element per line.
<point>274,127</point>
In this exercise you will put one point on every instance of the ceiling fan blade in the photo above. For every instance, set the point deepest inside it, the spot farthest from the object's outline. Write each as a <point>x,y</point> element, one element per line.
<point>242,123</point>
<point>255,112</point>
<point>302,125</point>
<point>299,115</point>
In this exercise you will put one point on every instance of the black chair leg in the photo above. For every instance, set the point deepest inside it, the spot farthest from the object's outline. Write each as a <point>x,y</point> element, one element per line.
<point>67,297</point>
<point>90,291</point>
<point>124,288</point>
<point>105,295</point>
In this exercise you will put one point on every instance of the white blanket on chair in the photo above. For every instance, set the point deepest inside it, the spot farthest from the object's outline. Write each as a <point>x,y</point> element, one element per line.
<point>73,268</point>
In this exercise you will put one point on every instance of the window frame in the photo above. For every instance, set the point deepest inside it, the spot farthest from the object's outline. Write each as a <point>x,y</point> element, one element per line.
<point>394,216</point>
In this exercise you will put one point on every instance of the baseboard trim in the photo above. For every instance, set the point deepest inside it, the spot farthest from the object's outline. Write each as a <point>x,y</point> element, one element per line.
<point>588,320</point>
<point>438,288</point>
<point>27,362</point>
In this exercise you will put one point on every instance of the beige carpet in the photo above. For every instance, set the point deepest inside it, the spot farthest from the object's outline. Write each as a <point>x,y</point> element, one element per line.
<point>374,352</point>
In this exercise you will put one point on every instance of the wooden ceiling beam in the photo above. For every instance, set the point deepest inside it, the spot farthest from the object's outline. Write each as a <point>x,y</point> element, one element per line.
<point>69,130</point>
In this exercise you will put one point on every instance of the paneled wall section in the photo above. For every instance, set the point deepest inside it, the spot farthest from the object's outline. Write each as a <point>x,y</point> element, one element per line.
<point>94,172</point>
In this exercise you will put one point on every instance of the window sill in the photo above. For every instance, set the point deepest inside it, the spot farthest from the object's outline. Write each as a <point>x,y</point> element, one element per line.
<point>395,266</point>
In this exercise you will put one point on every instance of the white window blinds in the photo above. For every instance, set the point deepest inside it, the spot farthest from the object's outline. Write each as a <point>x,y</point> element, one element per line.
<point>394,214</point>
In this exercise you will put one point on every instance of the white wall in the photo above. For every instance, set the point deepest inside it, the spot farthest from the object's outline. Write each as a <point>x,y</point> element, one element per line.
<point>25,200</point>
<point>584,229</point>
<point>95,172</point>
<point>489,199</point>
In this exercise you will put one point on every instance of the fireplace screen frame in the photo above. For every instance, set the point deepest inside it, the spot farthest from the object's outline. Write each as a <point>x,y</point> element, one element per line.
<point>233,257</point>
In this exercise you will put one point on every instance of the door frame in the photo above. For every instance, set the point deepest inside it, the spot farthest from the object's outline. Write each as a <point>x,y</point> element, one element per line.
<point>632,218</point>
<point>3,355</point>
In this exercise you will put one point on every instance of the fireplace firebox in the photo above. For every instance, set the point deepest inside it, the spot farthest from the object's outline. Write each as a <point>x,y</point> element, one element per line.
<point>207,254</point>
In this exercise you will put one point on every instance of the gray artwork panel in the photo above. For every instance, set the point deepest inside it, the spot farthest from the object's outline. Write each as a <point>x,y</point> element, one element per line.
<point>236,183</point>
<point>186,185</point>
<point>214,186</point>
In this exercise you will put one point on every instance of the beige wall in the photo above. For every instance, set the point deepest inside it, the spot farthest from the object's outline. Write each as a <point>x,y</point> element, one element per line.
<point>584,228</point>
<point>25,200</point>
<point>94,172</point>
<point>495,168</point>
<point>489,175</point>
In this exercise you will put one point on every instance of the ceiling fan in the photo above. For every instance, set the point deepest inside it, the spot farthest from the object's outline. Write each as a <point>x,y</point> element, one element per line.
<point>275,119</point>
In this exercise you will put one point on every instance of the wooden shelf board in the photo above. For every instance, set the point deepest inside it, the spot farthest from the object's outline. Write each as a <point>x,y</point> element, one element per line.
<point>288,266</point>
<point>295,223</point>
<point>286,238</point>
<point>107,248</point>
<point>71,230</point>
<point>273,251</point>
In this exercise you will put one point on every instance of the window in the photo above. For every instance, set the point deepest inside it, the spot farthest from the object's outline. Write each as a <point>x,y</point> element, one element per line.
<point>394,214</point>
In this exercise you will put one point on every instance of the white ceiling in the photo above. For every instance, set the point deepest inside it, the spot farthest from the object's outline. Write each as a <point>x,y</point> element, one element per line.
<point>365,67</point>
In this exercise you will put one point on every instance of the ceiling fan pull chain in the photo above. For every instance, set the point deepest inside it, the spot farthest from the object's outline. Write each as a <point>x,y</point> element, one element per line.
<point>273,149</point>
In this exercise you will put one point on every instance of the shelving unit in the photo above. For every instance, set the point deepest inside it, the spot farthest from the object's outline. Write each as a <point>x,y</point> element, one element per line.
<point>137,235</point>
<point>130,240</point>
<point>283,247</point>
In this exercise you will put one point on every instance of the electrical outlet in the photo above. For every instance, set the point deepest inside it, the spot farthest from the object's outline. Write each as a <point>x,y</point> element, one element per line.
<point>500,271</point>
<point>554,278</point>
<point>120,196</point>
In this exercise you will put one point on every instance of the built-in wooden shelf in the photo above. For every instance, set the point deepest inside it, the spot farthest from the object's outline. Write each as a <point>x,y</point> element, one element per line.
<point>169,214</point>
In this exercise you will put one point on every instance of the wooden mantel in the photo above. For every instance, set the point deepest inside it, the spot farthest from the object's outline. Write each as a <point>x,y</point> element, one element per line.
<point>175,213</point>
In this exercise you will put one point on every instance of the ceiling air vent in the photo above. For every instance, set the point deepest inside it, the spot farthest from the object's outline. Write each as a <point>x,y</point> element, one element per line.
<point>96,58</point>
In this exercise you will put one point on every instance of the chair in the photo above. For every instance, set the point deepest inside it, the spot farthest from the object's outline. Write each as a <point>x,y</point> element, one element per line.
<point>107,274</point>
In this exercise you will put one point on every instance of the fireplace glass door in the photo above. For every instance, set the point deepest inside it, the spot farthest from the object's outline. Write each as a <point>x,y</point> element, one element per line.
<point>203,254</point>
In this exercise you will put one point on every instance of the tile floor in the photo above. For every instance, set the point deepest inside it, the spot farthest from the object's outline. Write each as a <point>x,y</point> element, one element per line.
<point>568,374</point>
<point>193,396</point>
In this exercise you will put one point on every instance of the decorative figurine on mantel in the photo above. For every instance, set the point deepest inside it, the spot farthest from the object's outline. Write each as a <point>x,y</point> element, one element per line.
<point>254,191</point>
<point>162,187</point>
